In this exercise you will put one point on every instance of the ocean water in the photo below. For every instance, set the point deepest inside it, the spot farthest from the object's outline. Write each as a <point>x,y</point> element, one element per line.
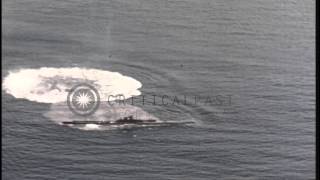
<point>254,59</point>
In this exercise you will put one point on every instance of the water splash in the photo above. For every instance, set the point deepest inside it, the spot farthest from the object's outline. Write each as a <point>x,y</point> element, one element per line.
<point>51,85</point>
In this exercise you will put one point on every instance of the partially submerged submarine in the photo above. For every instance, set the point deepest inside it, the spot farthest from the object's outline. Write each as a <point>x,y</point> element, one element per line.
<point>125,121</point>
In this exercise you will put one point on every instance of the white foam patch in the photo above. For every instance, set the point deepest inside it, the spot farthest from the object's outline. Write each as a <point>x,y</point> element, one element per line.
<point>51,85</point>
<point>91,127</point>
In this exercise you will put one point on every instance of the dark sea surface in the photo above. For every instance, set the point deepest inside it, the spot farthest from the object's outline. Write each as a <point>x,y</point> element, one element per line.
<point>260,53</point>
